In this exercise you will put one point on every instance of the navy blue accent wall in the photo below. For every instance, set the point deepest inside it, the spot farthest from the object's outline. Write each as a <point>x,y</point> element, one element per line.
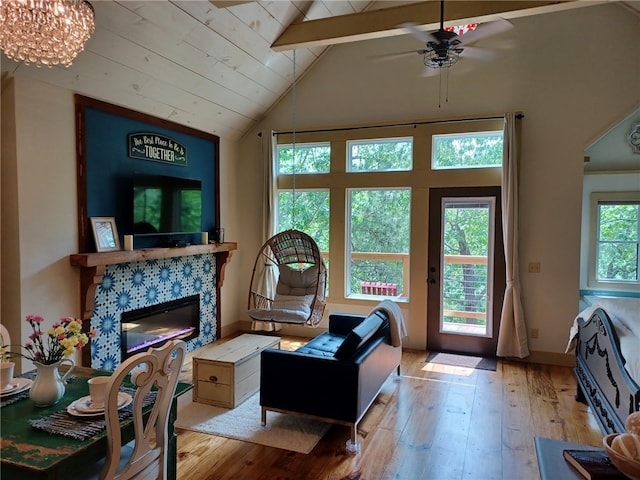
<point>109,172</point>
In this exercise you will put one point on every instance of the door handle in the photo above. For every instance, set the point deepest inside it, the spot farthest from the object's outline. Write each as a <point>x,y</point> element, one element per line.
<point>432,277</point>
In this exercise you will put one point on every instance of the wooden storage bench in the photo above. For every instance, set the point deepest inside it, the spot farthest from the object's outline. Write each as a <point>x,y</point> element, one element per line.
<point>226,375</point>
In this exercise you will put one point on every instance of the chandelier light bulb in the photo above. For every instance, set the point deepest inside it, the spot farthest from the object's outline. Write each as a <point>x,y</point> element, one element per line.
<point>45,32</point>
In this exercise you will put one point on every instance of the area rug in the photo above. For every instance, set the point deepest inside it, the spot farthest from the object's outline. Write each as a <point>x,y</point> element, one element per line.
<point>481,363</point>
<point>289,432</point>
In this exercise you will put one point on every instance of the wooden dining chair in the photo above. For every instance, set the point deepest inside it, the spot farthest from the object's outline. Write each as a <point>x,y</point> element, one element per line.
<point>5,338</point>
<point>146,456</point>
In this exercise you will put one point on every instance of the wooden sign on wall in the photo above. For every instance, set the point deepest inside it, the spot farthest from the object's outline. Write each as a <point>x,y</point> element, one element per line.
<point>158,148</point>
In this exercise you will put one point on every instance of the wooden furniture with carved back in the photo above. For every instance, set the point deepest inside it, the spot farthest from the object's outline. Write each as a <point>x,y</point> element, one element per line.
<point>30,453</point>
<point>146,456</point>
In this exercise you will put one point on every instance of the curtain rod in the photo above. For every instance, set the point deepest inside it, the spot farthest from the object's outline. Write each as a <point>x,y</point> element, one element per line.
<point>519,116</point>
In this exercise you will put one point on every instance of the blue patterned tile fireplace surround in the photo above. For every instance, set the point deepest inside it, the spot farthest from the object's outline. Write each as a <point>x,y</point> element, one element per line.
<point>134,285</point>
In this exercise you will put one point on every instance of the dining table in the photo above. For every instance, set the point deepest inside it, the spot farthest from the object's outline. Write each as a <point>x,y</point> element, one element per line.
<point>50,443</point>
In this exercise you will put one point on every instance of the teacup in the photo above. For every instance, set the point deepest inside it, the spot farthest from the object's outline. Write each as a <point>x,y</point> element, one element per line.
<point>98,390</point>
<point>6,374</point>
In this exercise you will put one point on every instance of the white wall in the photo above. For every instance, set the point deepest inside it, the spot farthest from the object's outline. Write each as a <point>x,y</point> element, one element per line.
<point>37,277</point>
<point>43,167</point>
<point>568,82</point>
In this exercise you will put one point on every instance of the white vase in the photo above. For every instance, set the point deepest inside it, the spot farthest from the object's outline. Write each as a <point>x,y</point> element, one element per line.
<point>48,387</point>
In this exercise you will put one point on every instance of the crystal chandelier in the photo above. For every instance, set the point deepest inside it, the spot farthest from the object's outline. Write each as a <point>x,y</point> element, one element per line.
<point>45,32</point>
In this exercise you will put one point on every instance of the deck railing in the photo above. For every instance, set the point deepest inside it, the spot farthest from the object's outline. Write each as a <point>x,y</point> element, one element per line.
<point>476,317</point>
<point>381,287</point>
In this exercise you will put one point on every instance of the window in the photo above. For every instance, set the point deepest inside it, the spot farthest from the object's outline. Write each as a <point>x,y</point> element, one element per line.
<point>307,211</point>
<point>358,186</point>
<point>391,154</point>
<point>617,257</point>
<point>309,158</point>
<point>467,150</point>
<point>615,240</point>
<point>467,257</point>
<point>378,242</point>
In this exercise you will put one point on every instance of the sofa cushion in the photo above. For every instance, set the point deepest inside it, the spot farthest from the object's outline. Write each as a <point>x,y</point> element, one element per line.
<point>324,345</point>
<point>359,336</point>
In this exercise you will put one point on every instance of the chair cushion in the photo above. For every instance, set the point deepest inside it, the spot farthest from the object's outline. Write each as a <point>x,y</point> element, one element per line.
<point>285,308</point>
<point>297,282</point>
<point>359,336</point>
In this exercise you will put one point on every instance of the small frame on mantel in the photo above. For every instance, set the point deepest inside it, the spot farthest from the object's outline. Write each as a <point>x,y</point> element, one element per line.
<point>105,234</point>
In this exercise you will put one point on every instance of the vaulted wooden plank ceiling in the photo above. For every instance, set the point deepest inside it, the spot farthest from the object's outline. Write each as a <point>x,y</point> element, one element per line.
<point>219,66</point>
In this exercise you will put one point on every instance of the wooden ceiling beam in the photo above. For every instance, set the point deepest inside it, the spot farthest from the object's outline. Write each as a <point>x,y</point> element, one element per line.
<point>228,3</point>
<point>385,22</point>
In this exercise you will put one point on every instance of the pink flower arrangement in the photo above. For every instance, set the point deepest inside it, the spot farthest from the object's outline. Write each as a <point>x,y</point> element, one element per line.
<point>59,342</point>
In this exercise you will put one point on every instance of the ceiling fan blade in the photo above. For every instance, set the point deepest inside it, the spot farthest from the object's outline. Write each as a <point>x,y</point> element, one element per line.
<point>421,35</point>
<point>479,53</point>
<point>392,56</point>
<point>485,30</point>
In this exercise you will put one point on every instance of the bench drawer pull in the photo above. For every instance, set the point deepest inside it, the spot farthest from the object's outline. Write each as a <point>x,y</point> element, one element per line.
<point>213,378</point>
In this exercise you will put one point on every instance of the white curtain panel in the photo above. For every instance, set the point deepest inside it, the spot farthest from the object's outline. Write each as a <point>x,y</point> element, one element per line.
<point>269,279</point>
<point>512,335</point>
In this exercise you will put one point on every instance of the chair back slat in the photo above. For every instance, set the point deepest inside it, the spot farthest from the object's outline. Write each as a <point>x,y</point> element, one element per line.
<point>155,370</point>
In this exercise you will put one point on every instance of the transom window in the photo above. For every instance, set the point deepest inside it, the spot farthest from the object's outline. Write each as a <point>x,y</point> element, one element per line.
<point>467,150</point>
<point>381,155</point>
<point>308,158</point>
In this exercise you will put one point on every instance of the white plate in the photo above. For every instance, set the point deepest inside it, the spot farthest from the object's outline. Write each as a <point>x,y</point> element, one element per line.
<point>85,405</point>
<point>20,385</point>
<point>81,407</point>
<point>8,388</point>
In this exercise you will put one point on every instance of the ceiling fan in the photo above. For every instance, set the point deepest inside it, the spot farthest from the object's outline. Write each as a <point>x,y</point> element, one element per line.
<point>445,47</point>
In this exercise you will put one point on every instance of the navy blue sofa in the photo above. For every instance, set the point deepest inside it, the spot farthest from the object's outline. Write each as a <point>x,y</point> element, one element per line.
<point>336,376</point>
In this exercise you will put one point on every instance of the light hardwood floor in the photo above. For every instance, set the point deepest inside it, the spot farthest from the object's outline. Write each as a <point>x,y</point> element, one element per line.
<point>434,422</point>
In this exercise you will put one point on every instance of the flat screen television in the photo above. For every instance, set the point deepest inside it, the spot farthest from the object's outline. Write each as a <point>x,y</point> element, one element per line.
<point>166,205</point>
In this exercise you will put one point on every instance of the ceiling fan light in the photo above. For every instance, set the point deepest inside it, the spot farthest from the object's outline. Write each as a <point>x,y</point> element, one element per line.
<point>433,60</point>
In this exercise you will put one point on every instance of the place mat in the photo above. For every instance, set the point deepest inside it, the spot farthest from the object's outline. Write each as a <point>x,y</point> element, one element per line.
<point>82,428</point>
<point>14,398</point>
<point>468,361</point>
<point>4,401</point>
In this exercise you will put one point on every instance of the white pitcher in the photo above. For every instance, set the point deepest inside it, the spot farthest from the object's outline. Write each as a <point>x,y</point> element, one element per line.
<point>48,386</point>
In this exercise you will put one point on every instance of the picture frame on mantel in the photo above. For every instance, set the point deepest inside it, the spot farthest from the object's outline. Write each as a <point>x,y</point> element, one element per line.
<point>105,234</point>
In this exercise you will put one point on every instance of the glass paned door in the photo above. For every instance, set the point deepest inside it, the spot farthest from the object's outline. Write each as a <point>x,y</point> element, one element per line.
<point>466,258</point>
<point>466,270</point>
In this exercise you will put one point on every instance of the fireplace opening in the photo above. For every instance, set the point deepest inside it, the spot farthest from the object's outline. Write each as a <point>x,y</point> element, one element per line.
<point>152,326</point>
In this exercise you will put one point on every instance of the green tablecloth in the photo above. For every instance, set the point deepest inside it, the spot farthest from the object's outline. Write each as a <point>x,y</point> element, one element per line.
<point>27,452</point>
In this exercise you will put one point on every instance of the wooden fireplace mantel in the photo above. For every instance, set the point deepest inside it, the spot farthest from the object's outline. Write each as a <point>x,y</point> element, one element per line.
<point>93,266</point>
<point>86,260</point>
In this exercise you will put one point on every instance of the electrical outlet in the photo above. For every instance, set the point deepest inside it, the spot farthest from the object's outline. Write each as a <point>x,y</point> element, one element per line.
<point>534,267</point>
<point>534,333</point>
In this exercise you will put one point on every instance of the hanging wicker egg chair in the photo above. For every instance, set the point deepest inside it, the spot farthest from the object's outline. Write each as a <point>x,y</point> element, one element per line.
<point>298,297</point>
